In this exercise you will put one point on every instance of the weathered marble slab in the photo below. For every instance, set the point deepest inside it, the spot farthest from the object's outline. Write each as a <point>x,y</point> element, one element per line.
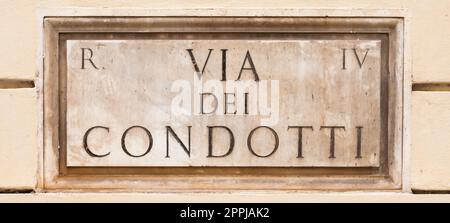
<point>118,84</point>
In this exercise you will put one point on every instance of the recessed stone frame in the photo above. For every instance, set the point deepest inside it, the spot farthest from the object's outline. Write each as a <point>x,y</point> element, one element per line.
<point>56,176</point>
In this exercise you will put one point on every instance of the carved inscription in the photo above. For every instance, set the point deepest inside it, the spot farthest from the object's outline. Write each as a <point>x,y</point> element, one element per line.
<point>283,103</point>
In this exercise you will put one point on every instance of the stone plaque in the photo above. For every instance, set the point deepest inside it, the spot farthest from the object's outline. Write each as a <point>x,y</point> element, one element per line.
<point>181,102</point>
<point>227,102</point>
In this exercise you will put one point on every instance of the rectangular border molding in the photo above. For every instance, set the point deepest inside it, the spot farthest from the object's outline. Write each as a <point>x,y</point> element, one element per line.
<point>396,19</point>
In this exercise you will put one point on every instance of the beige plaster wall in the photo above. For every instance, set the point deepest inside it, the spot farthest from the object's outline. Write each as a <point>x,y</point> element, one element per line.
<point>18,153</point>
<point>258,197</point>
<point>430,141</point>
<point>430,44</point>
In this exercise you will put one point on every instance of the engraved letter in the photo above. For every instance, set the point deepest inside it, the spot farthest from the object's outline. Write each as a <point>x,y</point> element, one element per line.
<point>300,136</point>
<point>194,62</point>
<point>187,150</point>
<point>150,143</point>
<point>246,103</point>
<point>210,143</point>
<point>224,64</point>
<point>249,141</point>
<point>227,103</point>
<point>357,57</point>
<point>252,66</point>
<point>358,142</point>
<point>85,142</point>
<point>332,138</point>
<point>91,54</point>
<point>216,103</point>
<point>343,58</point>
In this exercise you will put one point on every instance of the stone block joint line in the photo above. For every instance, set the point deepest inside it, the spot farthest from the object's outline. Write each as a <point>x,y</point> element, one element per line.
<point>14,84</point>
<point>431,87</point>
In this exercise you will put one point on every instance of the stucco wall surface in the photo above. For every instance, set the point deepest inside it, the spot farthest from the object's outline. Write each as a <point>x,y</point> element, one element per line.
<point>429,31</point>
